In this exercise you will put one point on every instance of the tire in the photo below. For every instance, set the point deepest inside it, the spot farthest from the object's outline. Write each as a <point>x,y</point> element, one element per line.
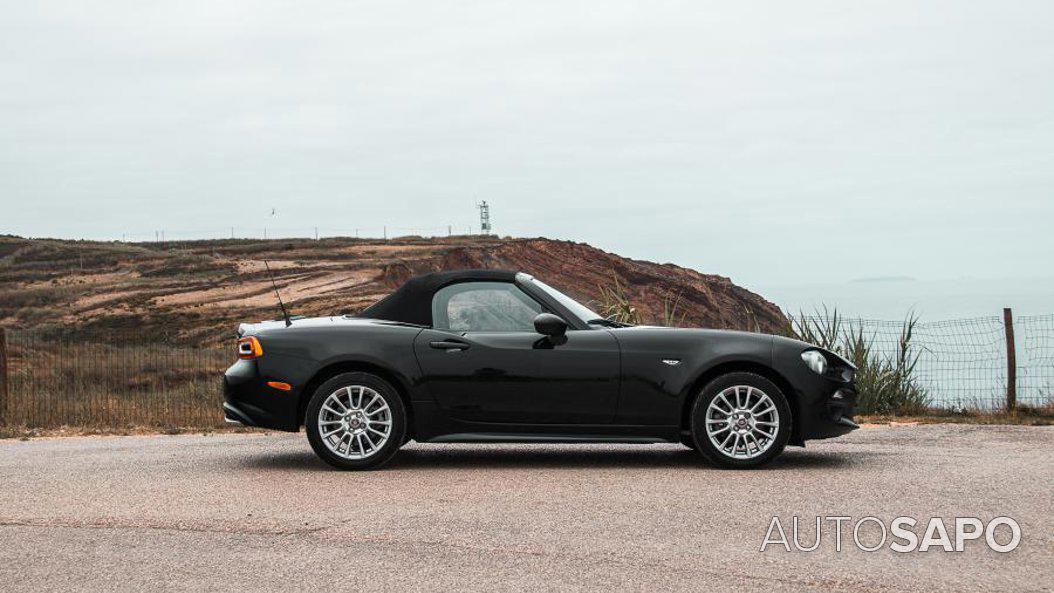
<point>747,434</point>
<point>356,421</point>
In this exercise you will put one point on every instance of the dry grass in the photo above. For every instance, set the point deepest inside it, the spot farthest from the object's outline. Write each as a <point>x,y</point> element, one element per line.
<point>25,433</point>
<point>1023,415</point>
<point>57,381</point>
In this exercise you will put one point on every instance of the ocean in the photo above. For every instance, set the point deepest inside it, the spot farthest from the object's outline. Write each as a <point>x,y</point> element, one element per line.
<point>932,300</point>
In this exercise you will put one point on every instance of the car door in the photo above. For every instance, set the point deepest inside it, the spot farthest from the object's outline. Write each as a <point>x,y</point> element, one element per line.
<point>483,361</point>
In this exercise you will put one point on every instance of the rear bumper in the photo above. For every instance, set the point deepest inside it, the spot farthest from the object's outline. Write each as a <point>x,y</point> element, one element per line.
<point>248,400</point>
<point>232,415</point>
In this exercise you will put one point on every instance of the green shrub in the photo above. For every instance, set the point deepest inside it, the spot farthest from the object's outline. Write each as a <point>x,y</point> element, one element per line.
<point>615,305</point>
<point>887,383</point>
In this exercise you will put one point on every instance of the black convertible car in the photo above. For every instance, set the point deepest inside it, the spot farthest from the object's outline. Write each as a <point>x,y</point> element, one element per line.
<point>497,356</point>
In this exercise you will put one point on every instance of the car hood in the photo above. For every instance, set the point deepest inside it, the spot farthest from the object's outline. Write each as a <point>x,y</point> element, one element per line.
<point>681,335</point>
<point>658,330</point>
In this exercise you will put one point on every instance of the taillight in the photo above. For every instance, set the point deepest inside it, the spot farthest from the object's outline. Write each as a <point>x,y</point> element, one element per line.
<point>249,348</point>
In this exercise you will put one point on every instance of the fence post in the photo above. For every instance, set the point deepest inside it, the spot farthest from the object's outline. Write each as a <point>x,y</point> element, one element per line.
<point>1011,361</point>
<point>3,377</point>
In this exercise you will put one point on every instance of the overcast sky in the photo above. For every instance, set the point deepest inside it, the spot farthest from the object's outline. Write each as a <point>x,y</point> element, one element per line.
<point>768,141</point>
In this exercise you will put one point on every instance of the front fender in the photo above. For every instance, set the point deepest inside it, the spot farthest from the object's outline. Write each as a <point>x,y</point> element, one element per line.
<point>662,366</point>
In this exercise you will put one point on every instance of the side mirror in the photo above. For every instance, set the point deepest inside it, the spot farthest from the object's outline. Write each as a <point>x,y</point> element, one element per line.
<point>550,325</point>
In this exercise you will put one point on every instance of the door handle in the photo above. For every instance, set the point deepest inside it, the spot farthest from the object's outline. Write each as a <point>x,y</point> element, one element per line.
<point>451,345</point>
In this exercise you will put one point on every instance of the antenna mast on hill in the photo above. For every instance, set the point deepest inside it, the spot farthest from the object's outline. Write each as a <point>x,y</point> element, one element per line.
<point>484,217</point>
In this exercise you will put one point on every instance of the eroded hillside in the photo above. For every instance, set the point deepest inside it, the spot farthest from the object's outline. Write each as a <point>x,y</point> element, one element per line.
<point>200,290</point>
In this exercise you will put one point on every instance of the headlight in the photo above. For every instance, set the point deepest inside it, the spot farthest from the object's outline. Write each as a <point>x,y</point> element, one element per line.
<point>816,361</point>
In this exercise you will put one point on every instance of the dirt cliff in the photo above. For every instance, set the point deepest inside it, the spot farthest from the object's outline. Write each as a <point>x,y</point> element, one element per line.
<point>200,290</point>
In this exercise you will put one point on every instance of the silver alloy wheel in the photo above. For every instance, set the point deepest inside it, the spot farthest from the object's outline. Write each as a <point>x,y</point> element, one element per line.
<point>354,422</point>
<point>742,422</point>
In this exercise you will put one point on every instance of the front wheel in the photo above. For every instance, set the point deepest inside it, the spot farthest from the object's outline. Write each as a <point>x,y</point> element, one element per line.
<point>741,420</point>
<point>355,421</point>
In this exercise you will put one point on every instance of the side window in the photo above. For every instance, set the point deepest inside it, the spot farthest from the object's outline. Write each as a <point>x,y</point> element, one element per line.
<point>484,307</point>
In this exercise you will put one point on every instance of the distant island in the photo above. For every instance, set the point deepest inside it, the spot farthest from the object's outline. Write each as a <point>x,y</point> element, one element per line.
<point>885,279</point>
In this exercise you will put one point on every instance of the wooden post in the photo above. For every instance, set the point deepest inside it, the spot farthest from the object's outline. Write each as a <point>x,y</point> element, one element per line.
<point>1011,361</point>
<point>3,377</point>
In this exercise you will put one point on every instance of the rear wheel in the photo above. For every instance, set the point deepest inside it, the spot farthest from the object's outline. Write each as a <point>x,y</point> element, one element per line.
<point>741,420</point>
<point>355,421</point>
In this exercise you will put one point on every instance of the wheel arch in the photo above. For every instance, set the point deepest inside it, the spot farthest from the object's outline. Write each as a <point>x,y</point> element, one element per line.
<point>743,366</point>
<point>355,366</point>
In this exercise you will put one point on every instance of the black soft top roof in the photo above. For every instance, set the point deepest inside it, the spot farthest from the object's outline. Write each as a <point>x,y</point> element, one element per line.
<point>412,302</point>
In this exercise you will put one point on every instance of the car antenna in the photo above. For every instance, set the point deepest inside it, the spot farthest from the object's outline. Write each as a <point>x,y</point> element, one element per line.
<point>285,314</point>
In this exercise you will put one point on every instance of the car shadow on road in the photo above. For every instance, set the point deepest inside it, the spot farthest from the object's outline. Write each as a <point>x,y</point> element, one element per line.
<point>440,457</point>
<point>600,458</point>
<point>513,456</point>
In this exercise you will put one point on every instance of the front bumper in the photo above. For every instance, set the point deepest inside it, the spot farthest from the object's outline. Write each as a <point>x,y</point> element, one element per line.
<point>832,415</point>
<point>250,401</point>
<point>823,405</point>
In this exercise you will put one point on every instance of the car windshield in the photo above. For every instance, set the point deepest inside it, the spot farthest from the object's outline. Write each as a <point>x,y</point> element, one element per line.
<point>576,308</point>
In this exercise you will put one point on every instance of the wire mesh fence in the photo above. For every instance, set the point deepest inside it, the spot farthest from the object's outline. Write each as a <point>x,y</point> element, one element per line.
<point>121,378</point>
<point>1035,359</point>
<point>111,380</point>
<point>962,363</point>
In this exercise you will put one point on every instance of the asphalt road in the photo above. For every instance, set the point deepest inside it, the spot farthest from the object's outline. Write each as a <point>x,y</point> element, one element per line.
<point>259,513</point>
